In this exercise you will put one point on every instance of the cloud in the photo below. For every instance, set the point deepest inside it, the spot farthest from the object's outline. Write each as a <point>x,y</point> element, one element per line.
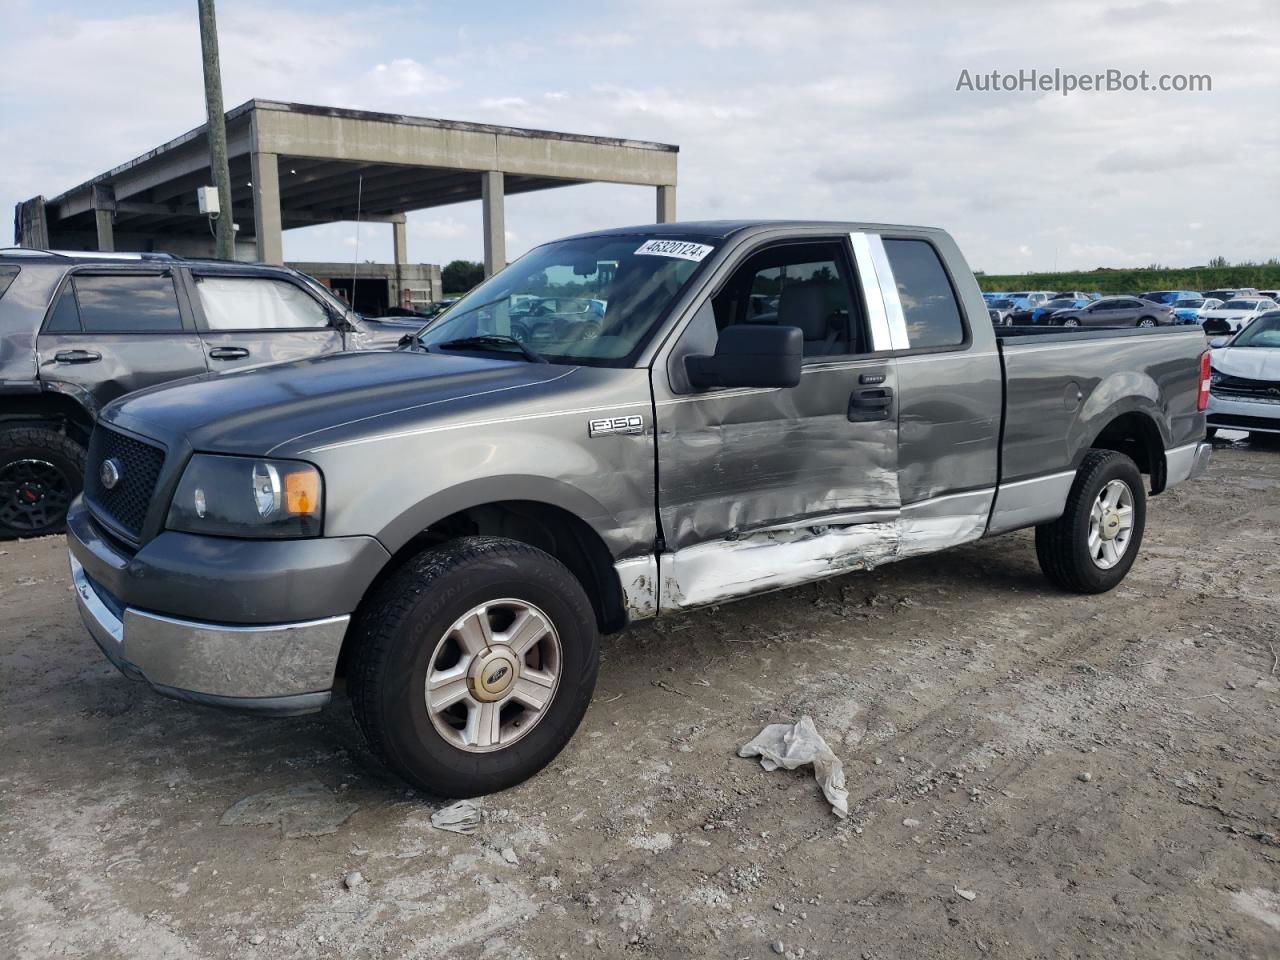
<point>855,171</point>
<point>407,78</point>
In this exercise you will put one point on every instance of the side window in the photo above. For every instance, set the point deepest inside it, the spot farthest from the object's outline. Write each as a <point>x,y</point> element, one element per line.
<point>7,276</point>
<point>126,303</point>
<point>928,303</point>
<point>65,316</point>
<point>805,285</point>
<point>257,303</point>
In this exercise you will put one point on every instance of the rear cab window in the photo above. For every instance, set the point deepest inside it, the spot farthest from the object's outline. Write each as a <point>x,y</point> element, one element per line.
<point>116,303</point>
<point>929,305</point>
<point>7,276</point>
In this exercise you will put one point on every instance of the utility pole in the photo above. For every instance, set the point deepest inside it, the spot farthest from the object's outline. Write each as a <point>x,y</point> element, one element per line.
<point>224,229</point>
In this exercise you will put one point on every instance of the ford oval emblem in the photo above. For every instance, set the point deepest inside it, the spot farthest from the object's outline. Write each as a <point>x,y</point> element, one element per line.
<point>109,473</point>
<point>497,675</point>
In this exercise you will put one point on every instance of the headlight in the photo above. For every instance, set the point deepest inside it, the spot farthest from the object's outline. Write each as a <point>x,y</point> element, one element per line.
<point>246,497</point>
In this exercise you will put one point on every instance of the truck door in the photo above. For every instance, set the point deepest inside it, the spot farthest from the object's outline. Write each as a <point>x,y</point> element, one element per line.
<point>114,330</point>
<point>763,488</point>
<point>249,319</point>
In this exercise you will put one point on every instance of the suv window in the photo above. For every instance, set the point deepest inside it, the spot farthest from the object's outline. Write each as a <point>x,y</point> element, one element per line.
<point>796,285</point>
<point>117,303</point>
<point>928,303</point>
<point>7,275</point>
<point>257,303</point>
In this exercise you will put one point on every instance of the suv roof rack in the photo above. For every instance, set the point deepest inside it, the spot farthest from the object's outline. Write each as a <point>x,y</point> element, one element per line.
<point>86,254</point>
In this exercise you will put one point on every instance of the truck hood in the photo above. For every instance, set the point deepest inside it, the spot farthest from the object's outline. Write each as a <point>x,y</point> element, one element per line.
<point>258,410</point>
<point>1219,314</point>
<point>1250,363</point>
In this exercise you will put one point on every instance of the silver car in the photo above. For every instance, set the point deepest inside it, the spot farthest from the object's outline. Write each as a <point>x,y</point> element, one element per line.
<point>1245,384</point>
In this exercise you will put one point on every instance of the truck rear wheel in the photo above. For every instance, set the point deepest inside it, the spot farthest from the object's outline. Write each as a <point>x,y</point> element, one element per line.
<point>1090,548</point>
<point>41,471</point>
<point>473,665</point>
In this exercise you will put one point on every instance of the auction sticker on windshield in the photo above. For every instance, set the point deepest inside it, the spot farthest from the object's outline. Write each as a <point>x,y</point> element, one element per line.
<point>674,248</point>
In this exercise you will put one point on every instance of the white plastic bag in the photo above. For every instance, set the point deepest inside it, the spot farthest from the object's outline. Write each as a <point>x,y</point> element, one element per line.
<point>790,745</point>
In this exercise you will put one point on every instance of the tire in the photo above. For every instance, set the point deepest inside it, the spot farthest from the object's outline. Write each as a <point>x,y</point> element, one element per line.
<point>1147,322</point>
<point>1063,548</point>
<point>41,472</point>
<point>410,625</point>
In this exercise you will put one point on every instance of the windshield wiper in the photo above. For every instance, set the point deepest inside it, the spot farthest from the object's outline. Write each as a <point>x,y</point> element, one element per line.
<point>488,340</point>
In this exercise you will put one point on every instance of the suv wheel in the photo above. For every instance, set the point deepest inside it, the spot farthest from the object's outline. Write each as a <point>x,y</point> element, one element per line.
<point>1091,547</point>
<point>473,665</point>
<point>41,471</point>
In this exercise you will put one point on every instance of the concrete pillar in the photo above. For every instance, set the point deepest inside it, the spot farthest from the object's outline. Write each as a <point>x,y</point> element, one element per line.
<point>495,222</point>
<point>667,204</point>
<point>104,207</point>
<point>266,207</point>
<point>400,255</point>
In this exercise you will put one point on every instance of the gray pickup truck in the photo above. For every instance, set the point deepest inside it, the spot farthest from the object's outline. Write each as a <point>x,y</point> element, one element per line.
<point>749,406</point>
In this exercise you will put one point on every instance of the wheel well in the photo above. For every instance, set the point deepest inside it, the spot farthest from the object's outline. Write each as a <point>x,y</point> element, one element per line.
<point>52,408</point>
<point>554,530</point>
<point>1137,436</point>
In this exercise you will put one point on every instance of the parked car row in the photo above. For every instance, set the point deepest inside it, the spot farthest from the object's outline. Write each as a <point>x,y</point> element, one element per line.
<point>1218,311</point>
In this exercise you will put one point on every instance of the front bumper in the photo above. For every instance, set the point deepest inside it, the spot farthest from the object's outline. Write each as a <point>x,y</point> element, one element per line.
<point>254,625</point>
<point>1262,416</point>
<point>280,669</point>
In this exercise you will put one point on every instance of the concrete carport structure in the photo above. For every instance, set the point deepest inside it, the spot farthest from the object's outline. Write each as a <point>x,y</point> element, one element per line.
<point>294,165</point>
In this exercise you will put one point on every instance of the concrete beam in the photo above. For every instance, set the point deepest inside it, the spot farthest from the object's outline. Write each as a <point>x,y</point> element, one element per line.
<point>266,208</point>
<point>495,222</point>
<point>666,204</point>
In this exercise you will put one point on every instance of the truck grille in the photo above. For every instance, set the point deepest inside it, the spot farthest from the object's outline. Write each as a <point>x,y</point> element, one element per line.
<point>138,464</point>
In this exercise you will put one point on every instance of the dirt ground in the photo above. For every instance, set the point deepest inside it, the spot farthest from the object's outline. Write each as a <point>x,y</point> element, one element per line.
<point>1031,774</point>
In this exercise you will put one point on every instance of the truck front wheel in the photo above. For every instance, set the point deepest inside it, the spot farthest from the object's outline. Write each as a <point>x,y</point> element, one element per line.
<point>473,665</point>
<point>1090,548</point>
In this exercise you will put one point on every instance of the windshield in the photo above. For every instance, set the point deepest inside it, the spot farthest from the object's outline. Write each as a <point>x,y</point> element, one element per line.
<point>593,300</point>
<point>1263,332</point>
<point>1189,304</point>
<point>1002,304</point>
<point>326,294</point>
<point>1059,304</point>
<point>1240,305</point>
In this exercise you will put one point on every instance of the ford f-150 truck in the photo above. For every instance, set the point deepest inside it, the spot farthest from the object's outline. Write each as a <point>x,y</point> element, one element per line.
<point>453,524</point>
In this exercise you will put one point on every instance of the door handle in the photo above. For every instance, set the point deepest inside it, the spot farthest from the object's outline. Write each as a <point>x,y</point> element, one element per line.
<point>228,353</point>
<point>77,356</point>
<point>873,403</point>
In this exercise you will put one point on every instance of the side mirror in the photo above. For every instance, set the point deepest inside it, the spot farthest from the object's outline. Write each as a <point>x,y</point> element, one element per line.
<point>1218,343</point>
<point>750,355</point>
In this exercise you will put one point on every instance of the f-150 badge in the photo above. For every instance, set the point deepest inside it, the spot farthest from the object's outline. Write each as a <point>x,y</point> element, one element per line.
<point>614,425</point>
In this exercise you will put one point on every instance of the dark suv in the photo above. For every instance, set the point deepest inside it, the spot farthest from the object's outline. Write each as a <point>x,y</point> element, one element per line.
<point>78,330</point>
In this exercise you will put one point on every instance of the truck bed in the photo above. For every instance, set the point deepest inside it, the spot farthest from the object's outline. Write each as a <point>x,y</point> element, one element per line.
<point>1064,387</point>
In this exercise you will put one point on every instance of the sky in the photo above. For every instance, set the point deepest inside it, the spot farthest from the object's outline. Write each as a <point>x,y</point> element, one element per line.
<point>831,110</point>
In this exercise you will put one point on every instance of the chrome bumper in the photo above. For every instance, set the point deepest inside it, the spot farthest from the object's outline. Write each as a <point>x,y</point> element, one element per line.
<point>1187,462</point>
<point>280,669</point>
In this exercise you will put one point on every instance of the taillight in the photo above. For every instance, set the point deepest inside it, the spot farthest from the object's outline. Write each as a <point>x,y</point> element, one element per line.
<point>1206,377</point>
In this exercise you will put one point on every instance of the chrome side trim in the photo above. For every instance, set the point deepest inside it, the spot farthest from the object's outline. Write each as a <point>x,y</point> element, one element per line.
<point>639,579</point>
<point>1183,463</point>
<point>877,316</point>
<point>1026,503</point>
<point>889,290</point>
